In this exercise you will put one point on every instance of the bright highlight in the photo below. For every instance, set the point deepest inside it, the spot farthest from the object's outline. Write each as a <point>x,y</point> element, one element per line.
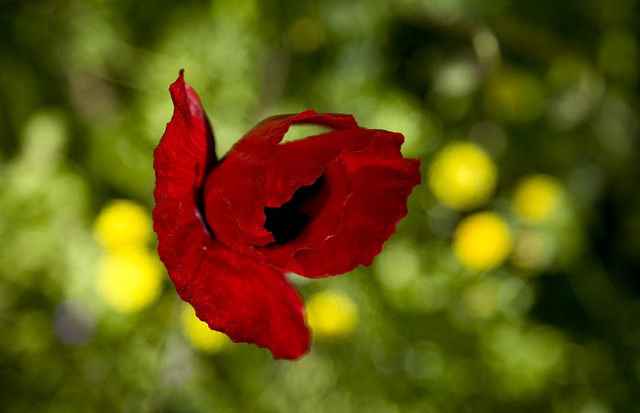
<point>482,241</point>
<point>331,314</point>
<point>463,176</point>
<point>536,197</point>
<point>130,281</point>
<point>122,224</point>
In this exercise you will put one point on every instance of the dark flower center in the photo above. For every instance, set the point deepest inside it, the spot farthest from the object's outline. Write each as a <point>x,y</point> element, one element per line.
<point>288,221</point>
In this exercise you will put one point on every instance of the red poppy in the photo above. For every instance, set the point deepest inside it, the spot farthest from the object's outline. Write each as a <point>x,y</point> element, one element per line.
<point>230,229</point>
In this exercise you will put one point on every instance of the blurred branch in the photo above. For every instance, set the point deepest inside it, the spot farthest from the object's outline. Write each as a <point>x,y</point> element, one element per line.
<point>274,80</point>
<point>514,36</point>
<point>528,40</point>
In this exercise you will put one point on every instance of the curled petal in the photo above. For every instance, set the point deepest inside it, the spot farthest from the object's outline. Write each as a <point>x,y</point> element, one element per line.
<point>247,300</point>
<point>382,181</point>
<point>181,160</point>
<point>259,173</point>
<point>335,197</point>
<point>300,163</point>
<point>327,211</point>
<point>233,293</point>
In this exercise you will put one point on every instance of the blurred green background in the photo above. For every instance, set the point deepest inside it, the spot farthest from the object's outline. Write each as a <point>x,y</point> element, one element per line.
<point>512,285</point>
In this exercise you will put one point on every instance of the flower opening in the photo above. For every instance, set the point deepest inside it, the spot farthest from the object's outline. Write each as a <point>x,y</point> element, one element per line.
<point>318,207</point>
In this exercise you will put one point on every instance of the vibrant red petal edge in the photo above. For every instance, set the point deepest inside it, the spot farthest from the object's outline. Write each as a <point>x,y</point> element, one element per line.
<point>231,292</point>
<point>246,182</point>
<point>382,182</point>
<point>267,173</point>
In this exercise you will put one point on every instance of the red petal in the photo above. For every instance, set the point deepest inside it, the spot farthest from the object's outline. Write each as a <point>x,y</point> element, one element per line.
<point>245,299</point>
<point>185,153</point>
<point>349,229</point>
<point>382,181</point>
<point>300,163</point>
<point>233,293</point>
<point>258,172</point>
<point>326,208</point>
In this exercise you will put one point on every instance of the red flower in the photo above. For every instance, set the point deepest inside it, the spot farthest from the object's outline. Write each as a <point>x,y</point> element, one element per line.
<point>229,229</point>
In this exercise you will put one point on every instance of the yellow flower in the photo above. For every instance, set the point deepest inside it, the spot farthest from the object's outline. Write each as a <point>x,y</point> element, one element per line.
<point>482,241</point>
<point>130,280</point>
<point>331,314</point>
<point>123,223</point>
<point>463,176</point>
<point>199,334</point>
<point>536,197</point>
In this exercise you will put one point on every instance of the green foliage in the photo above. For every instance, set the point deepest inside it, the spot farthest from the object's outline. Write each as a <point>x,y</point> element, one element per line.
<point>545,89</point>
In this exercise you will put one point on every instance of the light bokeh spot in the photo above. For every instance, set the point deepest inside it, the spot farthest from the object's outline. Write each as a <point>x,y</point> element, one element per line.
<point>398,266</point>
<point>524,358</point>
<point>536,197</point>
<point>463,176</point>
<point>131,280</point>
<point>123,223</point>
<point>331,314</point>
<point>533,249</point>
<point>481,300</point>
<point>482,241</point>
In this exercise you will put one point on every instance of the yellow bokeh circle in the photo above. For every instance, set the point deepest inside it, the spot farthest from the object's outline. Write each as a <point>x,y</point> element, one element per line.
<point>123,223</point>
<point>199,334</point>
<point>463,176</point>
<point>536,197</point>
<point>130,280</point>
<point>331,314</point>
<point>482,241</point>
